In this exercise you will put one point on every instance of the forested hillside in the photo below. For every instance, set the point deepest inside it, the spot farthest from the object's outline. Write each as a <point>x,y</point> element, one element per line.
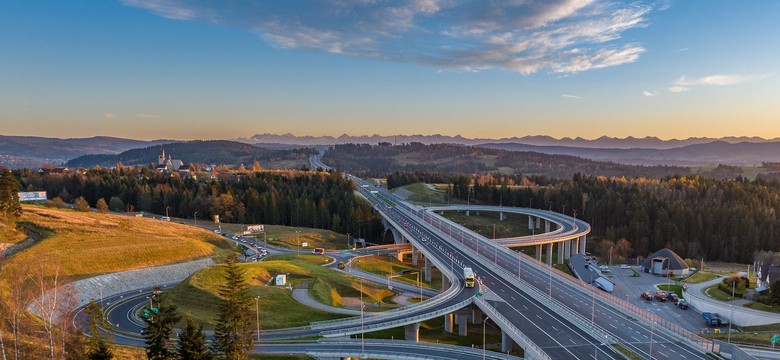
<point>384,159</point>
<point>727,220</point>
<point>296,198</point>
<point>200,152</point>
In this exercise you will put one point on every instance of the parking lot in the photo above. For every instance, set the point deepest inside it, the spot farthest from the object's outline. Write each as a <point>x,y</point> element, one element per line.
<point>630,288</point>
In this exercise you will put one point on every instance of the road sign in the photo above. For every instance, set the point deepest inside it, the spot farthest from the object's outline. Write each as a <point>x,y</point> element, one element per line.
<point>775,339</point>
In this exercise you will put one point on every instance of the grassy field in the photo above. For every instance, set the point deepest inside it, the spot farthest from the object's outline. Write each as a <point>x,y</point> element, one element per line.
<point>84,244</point>
<point>420,193</point>
<point>9,236</point>
<point>288,236</point>
<point>677,289</point>
<point>514,225</point>
<point>388,265</point>
<point>198,295</point>
<point>717,293</point>
<point>700,277</point>
<point>762,307</point>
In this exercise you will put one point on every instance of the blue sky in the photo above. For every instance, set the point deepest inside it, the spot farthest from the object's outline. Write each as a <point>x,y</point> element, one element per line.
<point>202,69</point>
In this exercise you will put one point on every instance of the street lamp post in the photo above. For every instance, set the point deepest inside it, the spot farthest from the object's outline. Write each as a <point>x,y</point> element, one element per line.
<point>652,329</point>
<point>166,210</point>
<point>298,239</point>
<point>348,240</point>
<point>593,302</point>
<point>733,288</point>
<point>483,337</point>
<point>195,215</point>
<point>362,330</point>
<point>257,316</point>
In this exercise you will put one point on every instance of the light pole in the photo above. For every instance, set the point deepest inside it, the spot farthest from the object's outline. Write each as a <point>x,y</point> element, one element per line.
<point>195,215</point>
<point>652,329</point>
<point>298,239</point>
<point>257,315</point>
<point>348,241</point>
<point>593,301</point>
<point>362,337</point>
<point>483,337</point>
<point>733,288</point>
<point>166,210</point>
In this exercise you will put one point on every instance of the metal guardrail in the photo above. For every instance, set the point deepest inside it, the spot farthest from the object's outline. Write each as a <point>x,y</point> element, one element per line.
<point>473,352</point>
<point>532,351</point>
<point>396,323</point>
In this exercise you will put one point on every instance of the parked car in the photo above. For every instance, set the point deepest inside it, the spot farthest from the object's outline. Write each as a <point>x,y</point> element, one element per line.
<point>682,304</point>
<point>624,266</point>
<point>646,295</point>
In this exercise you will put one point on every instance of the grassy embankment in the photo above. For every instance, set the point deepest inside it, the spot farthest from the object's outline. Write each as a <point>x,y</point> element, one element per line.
<point>483,223</point>
<point>9,236</point>
<point>199,295</point>
<point>84,244</point>
<point>699,277</point>
<point>388,265</point>
<point>422,194</point>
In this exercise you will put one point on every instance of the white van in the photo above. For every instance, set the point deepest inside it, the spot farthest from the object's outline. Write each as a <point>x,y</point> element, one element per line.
<point>165,218</point>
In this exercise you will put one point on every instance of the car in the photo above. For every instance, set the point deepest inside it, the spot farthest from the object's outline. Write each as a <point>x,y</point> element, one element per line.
<point>661,296</point>
<point>647,296</point>
<point>682,304</point>
<point>217,232</point>
<point>624,266</point>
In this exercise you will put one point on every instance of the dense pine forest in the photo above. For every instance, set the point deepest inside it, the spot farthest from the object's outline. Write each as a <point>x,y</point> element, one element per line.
<point>725,220</point>
<point>296,198</point>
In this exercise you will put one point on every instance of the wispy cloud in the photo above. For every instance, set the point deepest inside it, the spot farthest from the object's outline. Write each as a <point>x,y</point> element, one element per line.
<point>108,116</point>
<point>147,116</point>
<point>569,96</point>
<point>561,36</point>
<point>684,83</point>
<point>648,93</point>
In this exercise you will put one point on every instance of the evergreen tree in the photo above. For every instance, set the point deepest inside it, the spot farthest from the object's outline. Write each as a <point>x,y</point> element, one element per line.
<point>233,336</point>
<point>10,209</point>
<point>192,343</point>
<point>774,293</point>
<point>116,204</point>
<point>97,348</point>
<point>159,327</point>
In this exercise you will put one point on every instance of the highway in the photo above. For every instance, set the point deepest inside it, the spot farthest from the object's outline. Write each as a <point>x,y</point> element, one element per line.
<point>562,316</point>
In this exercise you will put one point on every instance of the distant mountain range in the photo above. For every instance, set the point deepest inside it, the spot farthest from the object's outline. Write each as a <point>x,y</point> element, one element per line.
<point>26,151</point>
<point>539,140</point>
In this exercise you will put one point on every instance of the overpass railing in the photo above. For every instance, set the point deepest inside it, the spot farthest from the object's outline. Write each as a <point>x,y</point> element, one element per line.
<point>474,353</point>
<point>532,351</point>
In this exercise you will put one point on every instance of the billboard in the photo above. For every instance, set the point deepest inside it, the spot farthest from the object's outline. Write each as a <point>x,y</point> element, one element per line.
<point>254,229</point>
<point>32,196</point>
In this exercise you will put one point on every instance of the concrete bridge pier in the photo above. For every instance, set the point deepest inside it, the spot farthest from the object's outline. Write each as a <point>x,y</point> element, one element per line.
<point>448,323</point>
<point>560,252</point>
<point>427,270</point>
<point>567,249</point>
<point>549,253</point>
<point>582,243</point>
<point>501,216</point>
<point>412,332</point>
<point>468,213</point>
<point>538,249</point>
<point>575,246</point>
<point>547,226</point>
<point>538,223</point>
<point>506,342</point>
<point>462,325</point>
<point>530,222</point>
<point>415,255</point>
<point>476,315</point>
<point>398,238</point>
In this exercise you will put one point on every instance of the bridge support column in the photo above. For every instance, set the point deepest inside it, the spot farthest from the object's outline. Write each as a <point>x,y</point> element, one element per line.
<point>427,272</point>
<point>538,249</point>
<point>448,323</point>
<point>549,253</point>
<point>506,342</point>
<point>412,332</point>
<point>468,213</point>
<point>476,315</point>
<point>582,243</point>
<point>538,223</point>
<point>547,226</point>
<point>575,246</point>
<point>567,249</point>
<point>501,216</point>
<point>530,222</point>
<point>462,320</point>
<point>415,256</point>
<point>445,283</point>
<point>560,252</point>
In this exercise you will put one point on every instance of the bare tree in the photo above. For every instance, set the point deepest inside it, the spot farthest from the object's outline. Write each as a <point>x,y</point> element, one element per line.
<point>50,287</point>
<point>14,314</point>
<point>2,310</point>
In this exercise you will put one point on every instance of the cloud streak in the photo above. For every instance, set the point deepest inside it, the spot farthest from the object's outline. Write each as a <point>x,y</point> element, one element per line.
<point>569,96</point>
<point>560,36</point>
<point>685,84</point>
<point>108,116</point>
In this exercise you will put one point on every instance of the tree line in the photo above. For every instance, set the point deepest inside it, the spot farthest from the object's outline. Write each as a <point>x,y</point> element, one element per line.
<point>289,197</point>
<point>717,219</point>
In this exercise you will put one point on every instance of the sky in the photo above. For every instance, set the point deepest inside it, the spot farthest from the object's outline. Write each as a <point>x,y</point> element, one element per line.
<point>203,69</point>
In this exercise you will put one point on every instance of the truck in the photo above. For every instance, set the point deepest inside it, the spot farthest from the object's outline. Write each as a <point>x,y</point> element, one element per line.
<point>712,319</point>
<point>661,296</point>
<point>646,295</point>
<point>468,275</point>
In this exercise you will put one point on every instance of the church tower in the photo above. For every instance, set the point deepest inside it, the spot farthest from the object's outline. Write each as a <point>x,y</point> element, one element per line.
<point>161,158</point>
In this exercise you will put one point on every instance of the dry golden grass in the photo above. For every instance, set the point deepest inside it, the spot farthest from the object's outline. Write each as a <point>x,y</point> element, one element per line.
<point>83,244</point>
<point>9,236</point>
